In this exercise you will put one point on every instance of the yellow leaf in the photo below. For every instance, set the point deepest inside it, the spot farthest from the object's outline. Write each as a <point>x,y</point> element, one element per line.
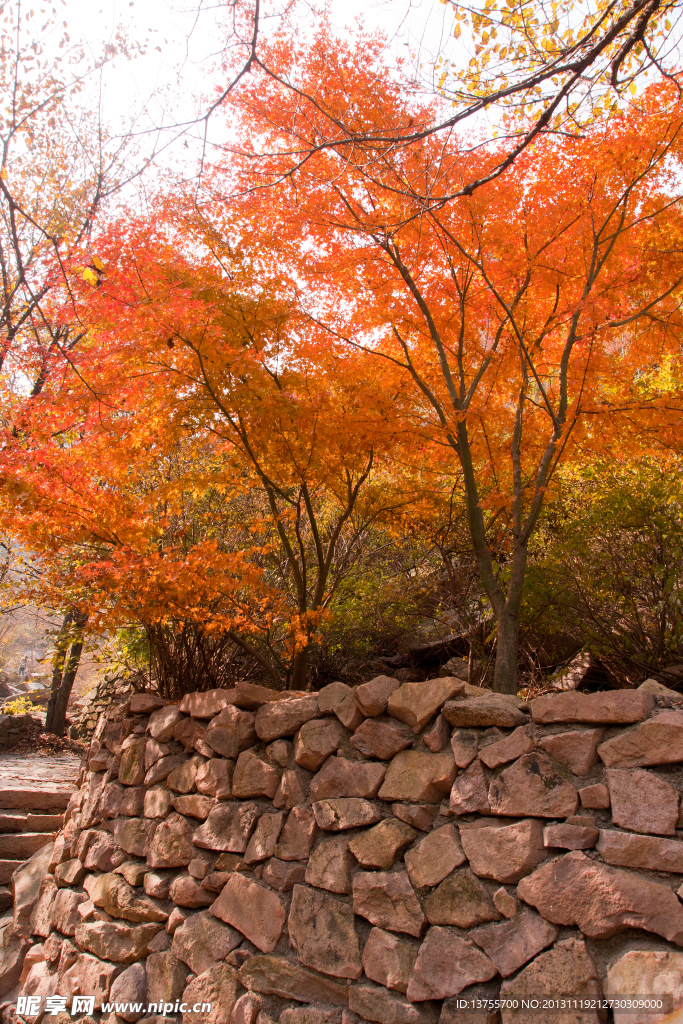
<point>3,174</point>
<point>632,88</point>
<point>90,276</point>
<point>97,262</point>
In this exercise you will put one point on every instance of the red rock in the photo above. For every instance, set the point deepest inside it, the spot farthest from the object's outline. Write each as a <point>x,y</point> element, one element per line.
<point>143,703</point>
<point>344,812</point>
<point>283,875</point>
<point>531,786</point>
<point>88,976</point>
<point>185,891</point>
<point>379,846</point>
<point>157,803</point>
<point>348,712</point>
<point>280,752</point>
<point>372,698</point>
<point>464,744</point>
<point>194,805</point>
<point>228,827</point>
<point>111,940</point>
<point>446,964</point>
<point>642,802</point>
<point>64,916</point>
<point>644,973</point>
<point>610,707</point>
<point>202,864</point>
<point>207,704</point>
<point>172,846</point>
<point>247,1008</point>
<point>132,801</point>
<point>438,736</point>
<point>284,717</point>
<point>316,740</point>
<point>41,913</point>
<point>201,941</point>
<point>322,932</point>
<point>254,910</point>
<point>114,895</point>
<point>231,732</point>
<point>330,865</point>
<point>132,765</point>
<point>600,900</point>
<point>436,856</point>
<point>418,815</point>
<point>329,696</point>
<point>503,852</point>
<point>188,731</point>
<point>130,988</point>
<point>416,703</point>
<point>166,976</point>
<point>110,800</point>
<point>462,900</point>
<point>389,959</point>
<point>105,852</point>
<point>648,852</point>
<point>343,778</point>
<point>183,778</point>
<point>578,748</point>
<point>388,900</point>
<point>570,837</point>
<point>375,1003</point>
<point>482,712</point>
<point>254,777</point>
<point>217,988</point>
<point>505,902</point>
<point>595,797</point>
<point>297,835</point>
<point>155,750</point>
<point>163,722</point>
<point>163,768</point>
<point>418,776</point>
<point>262,843</point>
<point>519,742</point>
<point>470,791</point>
<point>382,738</point>
<point>214,778</point>
<point>273,975</point>
<point>511,944</point>
<point>294,789</point>
<point>567,968</point>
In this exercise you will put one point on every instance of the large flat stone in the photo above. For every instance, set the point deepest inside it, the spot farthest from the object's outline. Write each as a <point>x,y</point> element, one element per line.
<point>389,959</point>
<point>202,941</point>
<point>172,846</point>
<point>565,969</point>
<point>511,944</point>
<point>264,838</point>
<point>255,911</point>
<point>657,741</point>
<point>470,791</point>
<point>322,932</point>
<point>418,776</point>
<point>273,975</point>
<point>379,846</point>
<point>113,894</point>
<point>578,749</point>
<point>434,857</point>
<point>531,787</point>
<point>207,704</point>
<point>231,732</point>
<point>217,988</point>
<point>382,738</point>
<point>341,777</point>
<point>284,717</point>
<point>227,828</point>
<point>254,777</point>
<point>503,852</point>
<point>520,741</point>
<point>376,1003</point>
<point>642,802</point>
<point>462,900</point>
<point>482,712</point>
<point>316,740</point>
<point>372,697</point>
<point>298,835</point>
<point>446,964</point>
<point>344,812</point>
<point>416,703</point>
<point>111,940</point>
<point>388,900</point>
<point>330,865</point>
<point>611,707</point>
<point>648,852</point>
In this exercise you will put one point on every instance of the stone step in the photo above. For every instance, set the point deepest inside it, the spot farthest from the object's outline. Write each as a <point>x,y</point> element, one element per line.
<point>7,869</point>
<point>23,845</point>
<point>44,822</point>
<point>25,798</point>
<point>12,821</point>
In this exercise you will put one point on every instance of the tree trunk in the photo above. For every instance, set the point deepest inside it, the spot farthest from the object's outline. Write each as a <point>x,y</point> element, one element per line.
<point>505,671</point>
<point>59,721</point>
<point>299,670</point>
<point>64,670</point>
<point>62,646</point>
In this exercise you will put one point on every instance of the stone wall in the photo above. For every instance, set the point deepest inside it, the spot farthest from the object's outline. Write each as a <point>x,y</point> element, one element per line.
<point>376,854</point>
<point>15,728</point>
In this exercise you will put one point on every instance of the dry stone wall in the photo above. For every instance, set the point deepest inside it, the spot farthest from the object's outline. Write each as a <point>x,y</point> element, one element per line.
<point>371,854</point>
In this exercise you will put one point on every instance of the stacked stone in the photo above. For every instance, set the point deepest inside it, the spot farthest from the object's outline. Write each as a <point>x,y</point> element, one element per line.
<point>85,714</point>
<point>15,728</point>
<point>368,854</point>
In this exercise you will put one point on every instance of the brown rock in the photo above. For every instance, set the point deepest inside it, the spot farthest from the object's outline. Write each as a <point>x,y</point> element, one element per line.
<point>207,704</point>
<point>130,988</point>
<point>284,717</point>
<point>262,843</point>
<point>64,916</point>
<point>316,740</point>
<point>163,768</point>
<point>202,864</point>
<point>644,972</point>
<point>104,850</point>
<point>217,988</point>
<point>113,894</point>
<point>280,752</point>
<point>330,865</point>
<point>642,802</point>
<point>348,712</point>
<point>41,914</point>
<point>418,776</point>
<point>648,852</point>
<point>186,891</point>
<point>464,744</point>
<point>531,786</point>
<point>388,900</point>
<point>154,751</point>
<point>418,815</point>
<point>382,738</point>
<point>247,1008</point>
<point>610,707</point>
<point>158,883</point>
<point>438,736</point>
<point>519,742</point>
<point>254,777</point>
<point>166,976</point>
<point>470,792</point>
<point>379,847</point>
<point>322,932</point>
<point>435,857</point>
<point>188,732</point>
<point>143,703</point>
<point>595,797</point>
<point>27,885</point>
<point>172,846</point>
<point>505,902</point>
<point>513,943</point>
<point>329,696</point>
<point>111,940</point>
<point>343,778</point>
<point>111,795</point>
<point>273,975</point>
<point>446,964</point>
<point>462,900</point>
<point>202,941</point>
<point>570,837</point>
<point>389,959</point>
<point>182,779</point>
<point>254,910</point>
<point>132,765</point>
<point>503,852</point>
<point>578,748</point>
<point>194,805</point>
<point>252,696</point>
<point>133,801</point>
<point>88,976</point>
<point>293,790</point>
<point>157,802</point>
<point>567,968</point>
<point>231,732</point>
<point>343,813</point>
<point>297,835</point>
<point>600,900</point>
<point>163,722</point>
<point>283,875</point>
<point>375,1003</point>
<point>214,778</point>
<point>372,698</point>
<point>416,703</point>
<point>497,709</point>
<point>228,827</point>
